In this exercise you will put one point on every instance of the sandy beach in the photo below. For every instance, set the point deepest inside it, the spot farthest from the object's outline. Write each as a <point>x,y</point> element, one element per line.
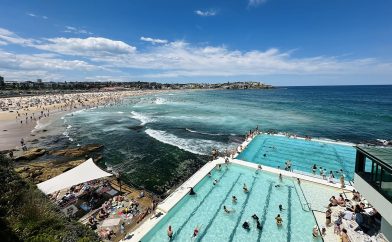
<point>20,115</point>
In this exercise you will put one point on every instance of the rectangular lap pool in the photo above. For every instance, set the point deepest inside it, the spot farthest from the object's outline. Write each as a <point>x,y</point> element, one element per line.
<point>274,151</point>
<point>266,192</point>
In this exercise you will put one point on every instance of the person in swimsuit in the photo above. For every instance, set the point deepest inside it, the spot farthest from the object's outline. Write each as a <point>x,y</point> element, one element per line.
<point>245,225</point>
<point>196,231</point>
<point>170,232</point>
<point>192,192</point>
<point>234,199</point>
<point>279,220</point>
<point>245,188</point>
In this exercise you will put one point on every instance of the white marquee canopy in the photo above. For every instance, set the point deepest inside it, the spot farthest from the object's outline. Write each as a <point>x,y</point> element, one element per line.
<point>84,172</point>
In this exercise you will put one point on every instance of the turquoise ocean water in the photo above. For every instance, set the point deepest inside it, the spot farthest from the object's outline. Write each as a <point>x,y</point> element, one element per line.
<point>157,141</point>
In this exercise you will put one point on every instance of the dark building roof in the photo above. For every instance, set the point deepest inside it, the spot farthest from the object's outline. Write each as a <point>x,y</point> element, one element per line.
<point>382,155</point>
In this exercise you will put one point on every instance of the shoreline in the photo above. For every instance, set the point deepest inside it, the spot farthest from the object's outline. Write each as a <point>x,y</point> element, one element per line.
<point>21,120</point>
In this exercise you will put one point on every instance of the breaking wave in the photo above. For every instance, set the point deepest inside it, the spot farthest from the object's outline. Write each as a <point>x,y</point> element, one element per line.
<point>196,146</point>
<point>142,118</point>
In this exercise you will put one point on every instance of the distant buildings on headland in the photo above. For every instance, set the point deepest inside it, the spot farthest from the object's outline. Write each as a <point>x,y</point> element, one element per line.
<point>12,88</point>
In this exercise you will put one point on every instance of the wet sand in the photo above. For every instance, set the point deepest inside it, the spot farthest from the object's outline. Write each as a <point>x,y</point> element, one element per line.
<point>25,112</point>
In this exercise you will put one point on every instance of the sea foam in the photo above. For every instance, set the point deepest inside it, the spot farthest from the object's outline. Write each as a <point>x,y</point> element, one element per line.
<point>144,119</point>
<point>196,146</point>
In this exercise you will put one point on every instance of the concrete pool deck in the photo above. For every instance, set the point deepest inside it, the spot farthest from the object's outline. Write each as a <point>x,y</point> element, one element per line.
<point>166,205</point>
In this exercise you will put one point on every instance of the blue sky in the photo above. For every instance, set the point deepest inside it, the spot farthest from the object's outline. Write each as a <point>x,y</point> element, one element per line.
<point>282,42</point>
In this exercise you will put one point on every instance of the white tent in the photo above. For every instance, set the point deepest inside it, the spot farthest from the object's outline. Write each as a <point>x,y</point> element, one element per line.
<point>84,172</point>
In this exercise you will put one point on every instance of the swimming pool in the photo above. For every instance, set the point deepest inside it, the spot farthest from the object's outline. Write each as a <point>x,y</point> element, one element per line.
<point>274,151</point>
<point>206,210</point>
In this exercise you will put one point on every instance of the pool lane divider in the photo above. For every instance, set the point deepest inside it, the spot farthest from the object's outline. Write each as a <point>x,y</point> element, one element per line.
<point>265,210</point>
<point>204,231</point>
<point>242,210</point>
<point>197,207</point>
<point>289,215</point>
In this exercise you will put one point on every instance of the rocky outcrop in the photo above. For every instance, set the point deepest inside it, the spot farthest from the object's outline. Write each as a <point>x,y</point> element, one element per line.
<point>43,170</point>
<point>77,152</point>
<point>31,154</point>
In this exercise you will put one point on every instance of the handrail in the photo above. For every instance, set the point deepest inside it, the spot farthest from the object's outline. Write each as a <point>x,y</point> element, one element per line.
<point>306,200</point>
<point>302,204</point>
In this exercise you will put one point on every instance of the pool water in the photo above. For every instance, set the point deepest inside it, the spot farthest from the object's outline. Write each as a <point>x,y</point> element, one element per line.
<point>205,210</point>
<point>274,151</point>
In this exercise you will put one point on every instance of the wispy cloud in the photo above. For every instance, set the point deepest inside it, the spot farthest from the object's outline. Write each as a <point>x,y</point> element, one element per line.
<point>61,56</point>
<point>37,16</point>
<point>154,41</point>
<point>74,30</point>
<point>254,3</point>
<point>206,13</point>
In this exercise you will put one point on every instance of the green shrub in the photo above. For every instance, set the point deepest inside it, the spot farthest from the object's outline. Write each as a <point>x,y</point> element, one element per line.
<point>26,214</point>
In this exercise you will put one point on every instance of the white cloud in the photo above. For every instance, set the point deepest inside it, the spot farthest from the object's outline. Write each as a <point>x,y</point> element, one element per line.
<point>9,37</point>
<point>46,62</point>
<point>37,16</point>
<point>92,46</point>
<point>254,3</point>
<point>74,30</point>
<point>206,13</point>
<point>154,41</point>
<point>112,58</point>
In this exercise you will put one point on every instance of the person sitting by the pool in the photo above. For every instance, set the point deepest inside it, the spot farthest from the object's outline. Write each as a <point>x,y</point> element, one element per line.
<point>258,225</point>
<point>245,225</point>
<point>279,220</point>
<point>254,216</point>
<point>226,209</point>
<point>234,199</point>
<point>298,181</point>
<point>192,192</point>
<point>209,174</point>
<point>245,188</point>
<point>356,196</point>
<point>343,236</point>
<point>331,177</point>
<point>314,169</point>
<point>219,167</point>
<point>315,231</point>
<point>333,202</point>
<point>280,207</point>
<point>341,200</point>
<point>215,182</point>
<point>227,160</point>
<point>362,206</point>
<point>170,232</point>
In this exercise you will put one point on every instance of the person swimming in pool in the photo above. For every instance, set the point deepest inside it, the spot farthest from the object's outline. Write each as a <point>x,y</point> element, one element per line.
<point>279,220</point>
<point>170,232</point>
<point>234,199</point>
<point>254,216</point>
<point>258,225</point>
<point>196,231</point>
<point>245,188</point>
<point>226,209</point>
<point>280,207</point>
<point>246,226</point>
<point>215,182</point>
<point>191,191</point>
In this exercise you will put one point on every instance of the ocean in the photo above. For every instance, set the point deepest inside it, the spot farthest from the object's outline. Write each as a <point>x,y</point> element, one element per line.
<point>157,141</point>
